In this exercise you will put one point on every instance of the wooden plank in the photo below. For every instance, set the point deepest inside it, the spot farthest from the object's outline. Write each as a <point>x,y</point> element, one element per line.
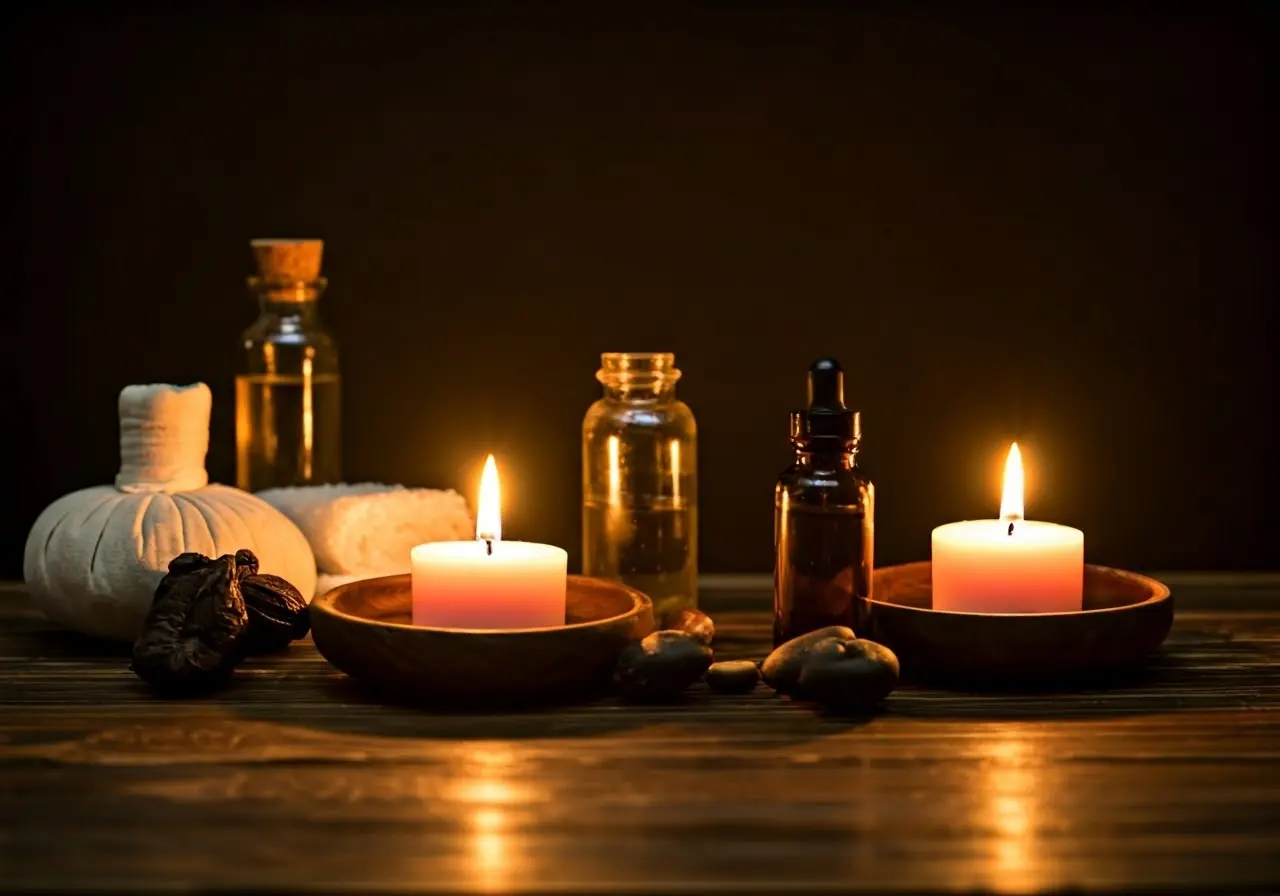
<point>293,778</point>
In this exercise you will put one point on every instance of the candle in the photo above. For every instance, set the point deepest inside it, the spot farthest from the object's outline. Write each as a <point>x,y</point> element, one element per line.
<point>488,583</point>
<point>1009,565</point>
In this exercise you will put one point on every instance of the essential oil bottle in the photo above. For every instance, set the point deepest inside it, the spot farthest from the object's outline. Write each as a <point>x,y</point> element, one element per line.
<point>824,515</point>
<point>640,481</point>
<point>288,388</point>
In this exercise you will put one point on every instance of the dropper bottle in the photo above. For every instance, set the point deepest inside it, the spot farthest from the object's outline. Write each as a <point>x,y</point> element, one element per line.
<point>824,514</point>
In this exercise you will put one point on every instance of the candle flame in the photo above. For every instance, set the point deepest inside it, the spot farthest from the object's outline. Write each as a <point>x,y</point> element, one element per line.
<point>1011,507</point>
<point>489,507</point>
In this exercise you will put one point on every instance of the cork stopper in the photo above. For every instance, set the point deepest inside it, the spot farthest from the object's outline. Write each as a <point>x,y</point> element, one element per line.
<point>287,261</point>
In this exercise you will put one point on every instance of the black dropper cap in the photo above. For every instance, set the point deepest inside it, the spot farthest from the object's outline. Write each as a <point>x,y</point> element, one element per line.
<point>827,418</point>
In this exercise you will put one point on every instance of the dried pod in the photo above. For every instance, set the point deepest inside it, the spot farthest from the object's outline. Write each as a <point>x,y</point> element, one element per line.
<point>247,563</point>
<point>185,563</point>
<point>188,642</point>
<point>277,614</point>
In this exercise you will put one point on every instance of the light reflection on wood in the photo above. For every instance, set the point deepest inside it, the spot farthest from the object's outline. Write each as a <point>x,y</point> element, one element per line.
<point>486,767</point>
<point>1012,785</point>
<point>490,848</point>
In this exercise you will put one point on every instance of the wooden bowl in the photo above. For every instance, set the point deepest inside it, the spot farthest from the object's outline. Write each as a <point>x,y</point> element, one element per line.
<point>364,629</point>
<point>1125,618</point>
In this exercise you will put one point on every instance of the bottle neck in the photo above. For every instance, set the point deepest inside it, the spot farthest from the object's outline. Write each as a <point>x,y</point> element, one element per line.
<point>288,298</point>
<point>654,391</point>
<point>304,312</point>
<point>638,376</point>
<point>293,304</point>
<point>815,455</point>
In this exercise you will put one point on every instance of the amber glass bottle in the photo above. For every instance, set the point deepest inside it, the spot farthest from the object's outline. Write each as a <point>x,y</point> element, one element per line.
<point>824,515</point>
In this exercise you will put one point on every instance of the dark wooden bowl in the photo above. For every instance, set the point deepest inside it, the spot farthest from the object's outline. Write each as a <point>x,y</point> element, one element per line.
<point>364,629</point>
<point>1125,618</point>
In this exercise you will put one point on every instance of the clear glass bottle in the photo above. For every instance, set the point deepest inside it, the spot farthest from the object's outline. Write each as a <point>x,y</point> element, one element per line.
<point>288,391</point>
<point>640,481</point>
<point>824,515</point>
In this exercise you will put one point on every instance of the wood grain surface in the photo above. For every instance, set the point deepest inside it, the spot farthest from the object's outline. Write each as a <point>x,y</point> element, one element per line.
<point>293,779</point>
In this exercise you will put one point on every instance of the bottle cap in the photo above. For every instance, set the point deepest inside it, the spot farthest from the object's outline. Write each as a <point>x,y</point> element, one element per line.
<point>287,261</point>
<point>827,416</point>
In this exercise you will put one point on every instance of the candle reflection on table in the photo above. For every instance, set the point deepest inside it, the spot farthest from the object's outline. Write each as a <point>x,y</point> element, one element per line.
<point>491,790</point>
<point>1012,785</point>
<point>489,847</point>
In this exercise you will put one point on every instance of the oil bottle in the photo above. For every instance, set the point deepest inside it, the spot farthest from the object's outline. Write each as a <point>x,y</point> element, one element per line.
<point>824,514</point>
<point>640,481</point>
<point>288,391</point>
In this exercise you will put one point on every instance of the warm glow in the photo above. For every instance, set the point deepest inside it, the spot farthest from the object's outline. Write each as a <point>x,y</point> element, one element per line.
<point>488,820</point>
<point>487,790</point>
<point>490,848</point>
<point>308,417</point>
<point>675,472</point>
<point>615,471</point>
<point>1013,811</point>
<point>489,507</point>
<point>1011,507</point>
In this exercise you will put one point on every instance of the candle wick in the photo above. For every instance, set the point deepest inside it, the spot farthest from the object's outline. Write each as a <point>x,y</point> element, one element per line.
<point>488,543</point>
<point>1010,528</point>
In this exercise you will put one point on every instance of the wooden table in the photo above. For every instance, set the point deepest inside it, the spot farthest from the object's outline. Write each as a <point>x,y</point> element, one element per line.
<point>292,779</point>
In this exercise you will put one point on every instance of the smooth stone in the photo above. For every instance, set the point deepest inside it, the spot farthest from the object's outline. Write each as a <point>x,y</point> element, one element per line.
<point>662,665</point>
<point>695,623</point>
<point>781,669</point>
<point>856,675</point>
<point>733,676</point>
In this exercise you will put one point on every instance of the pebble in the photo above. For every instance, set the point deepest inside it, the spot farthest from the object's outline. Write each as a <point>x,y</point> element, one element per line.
<point>694,623</point>
<point>781,670</point>
<point>733,676</point>
<point>853,676</point>
<point>662,666</point>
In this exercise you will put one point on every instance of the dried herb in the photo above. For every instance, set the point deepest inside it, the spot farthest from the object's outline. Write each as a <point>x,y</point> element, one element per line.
<point>185,563</point>
<point>247,561</point>
<point>188,642</point>
<point>277,614</point>
<point>207,614</point>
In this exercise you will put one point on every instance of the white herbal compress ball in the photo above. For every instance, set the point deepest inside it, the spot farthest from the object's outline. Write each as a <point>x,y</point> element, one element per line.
<point>94,557</point>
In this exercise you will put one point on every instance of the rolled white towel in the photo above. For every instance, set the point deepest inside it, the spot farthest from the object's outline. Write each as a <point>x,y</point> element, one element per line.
<point>367,529</point>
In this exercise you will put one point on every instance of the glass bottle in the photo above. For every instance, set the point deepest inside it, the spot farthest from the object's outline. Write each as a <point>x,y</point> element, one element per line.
<point>288,391</point>
<point>639,481</point>
<point>824,515</point>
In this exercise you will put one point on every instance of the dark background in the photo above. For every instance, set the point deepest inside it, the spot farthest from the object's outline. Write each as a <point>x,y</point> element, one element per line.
<point>1040,225</point>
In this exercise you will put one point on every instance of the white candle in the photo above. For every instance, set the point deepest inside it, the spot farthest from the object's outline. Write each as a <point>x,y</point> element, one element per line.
<point>1009,565</point>
<point>488,583</point>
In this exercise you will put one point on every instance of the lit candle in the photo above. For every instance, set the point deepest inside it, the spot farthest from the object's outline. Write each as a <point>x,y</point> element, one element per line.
<point>1009,565</point>
<point>488,583</point>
